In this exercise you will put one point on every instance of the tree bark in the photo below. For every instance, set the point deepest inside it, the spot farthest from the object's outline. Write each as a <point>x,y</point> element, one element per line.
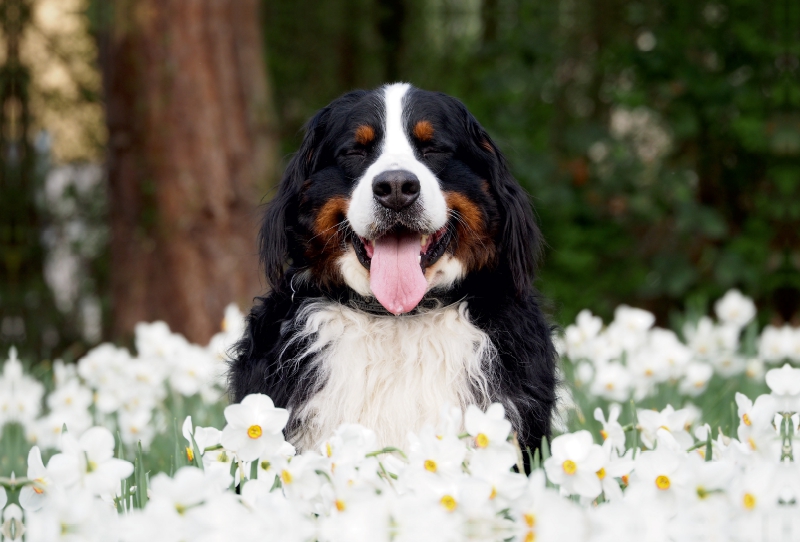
<point>192,145</point>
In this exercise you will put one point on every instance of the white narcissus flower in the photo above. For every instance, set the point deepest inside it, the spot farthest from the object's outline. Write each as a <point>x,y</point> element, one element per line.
<point>776,343</point>
<point>708,479</point>
<point>757,489</point>
<point>254,426</point>
<point>611,382</point>
<point>612,431</point>
<point>90,462</point>
<point>674,421</point>
<point>493,465</point>
<point>32,497</point>
<point>575,463</point>
<point>188,488</point>
<point>785,386</point>
<point>696,378</point>
<point>659,474</point>
<point>429,454</point>
<point>615,468</point>
<point>487,429</point>
<point>735,309</point>
<point>349,444</point>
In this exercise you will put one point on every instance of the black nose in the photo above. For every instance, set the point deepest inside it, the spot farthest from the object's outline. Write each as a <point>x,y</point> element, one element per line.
<point>396,189</point>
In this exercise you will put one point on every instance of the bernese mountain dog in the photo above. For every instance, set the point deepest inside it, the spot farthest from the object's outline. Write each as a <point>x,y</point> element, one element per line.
<point>400,254</point>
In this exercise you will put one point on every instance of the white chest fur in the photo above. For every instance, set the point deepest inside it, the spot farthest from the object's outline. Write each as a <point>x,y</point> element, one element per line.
<point>392,374</point>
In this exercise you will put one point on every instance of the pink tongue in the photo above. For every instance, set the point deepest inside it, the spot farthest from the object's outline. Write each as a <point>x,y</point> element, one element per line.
<point>395,276</point>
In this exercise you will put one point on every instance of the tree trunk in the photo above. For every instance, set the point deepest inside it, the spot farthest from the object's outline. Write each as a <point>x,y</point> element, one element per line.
<point>192,146</point>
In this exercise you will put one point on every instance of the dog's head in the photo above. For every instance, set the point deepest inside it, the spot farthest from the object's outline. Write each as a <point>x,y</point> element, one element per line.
<point>397,193</point>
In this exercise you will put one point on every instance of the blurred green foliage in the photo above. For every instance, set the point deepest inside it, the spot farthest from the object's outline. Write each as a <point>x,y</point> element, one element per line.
<point>660,141</point>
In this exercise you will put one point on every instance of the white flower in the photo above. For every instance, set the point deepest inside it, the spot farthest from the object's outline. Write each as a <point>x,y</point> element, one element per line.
<point>674,421</point>
<point>429,454</point>
<point>90,462</point>
<point>494,467</point>
<point>659,474</point>
<point>70,395</point>
<point>611,382</point>
<point>696,379</point>
<point>735,309</point>
<point>776,343</point>
<point>612,431</point>
<point>574,464</point>
<point>708,479</point>
<point>350,444</point>
<point>757,488</point>
<point>188,488</point>
<point>542,515</point>
<point>614,468</point>
<point>32,497</point>
<point>136,426</point>
<point>489,428</point>
<point>254,425</point>
<point>785,386</point>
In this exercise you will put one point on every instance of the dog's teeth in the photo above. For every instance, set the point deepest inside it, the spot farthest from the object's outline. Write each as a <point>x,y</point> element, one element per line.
<point>419,258</point>
<point>424,240</point>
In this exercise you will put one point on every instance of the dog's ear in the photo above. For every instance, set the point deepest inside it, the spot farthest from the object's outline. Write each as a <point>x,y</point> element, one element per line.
<point>281,217</point>
<point>519,237</point>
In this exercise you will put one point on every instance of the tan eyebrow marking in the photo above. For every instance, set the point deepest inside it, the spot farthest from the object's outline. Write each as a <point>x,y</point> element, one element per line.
<point>423,130</point>
<point>365,134</point>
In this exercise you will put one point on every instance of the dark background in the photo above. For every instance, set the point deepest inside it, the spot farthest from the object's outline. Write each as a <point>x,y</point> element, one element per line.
<point>660,142</point>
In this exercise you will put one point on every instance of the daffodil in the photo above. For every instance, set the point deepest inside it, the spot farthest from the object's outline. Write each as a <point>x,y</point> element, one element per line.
<point>32,497</point>
<point>612,431</point>
<point>488,428</point>
<point>254,425</point>
<point>674,421</point>
<point>574,464</point>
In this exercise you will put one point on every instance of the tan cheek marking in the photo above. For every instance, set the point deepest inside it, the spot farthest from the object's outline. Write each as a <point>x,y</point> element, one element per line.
<point>474,245</point>
<point>326,245</point>
<point>488,146</point>
<point>423,130</point>
<point>365,134</point>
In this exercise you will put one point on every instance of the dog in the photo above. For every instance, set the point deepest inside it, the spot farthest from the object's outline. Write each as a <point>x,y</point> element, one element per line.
<point>400,254</point>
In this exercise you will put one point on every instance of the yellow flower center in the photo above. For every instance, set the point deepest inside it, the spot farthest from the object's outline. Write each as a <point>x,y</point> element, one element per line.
<point>265,465</point>
<point>662,482</point>
<point>340,506</point>
<point>286,477</point>
<point>530,536</point>
<point>493,494</point>
<point>569,467</point>
<point>430,465</point>
<point>749,501</point>
<point>610,386</point>
<point>648,372</point>
<point>38,490</point>
<point>625,479</point>
<point>752,443</point>
<point>254,431</point>
<point>530,520</point>
<point>702,493</point>
<point>601,473</point>
<point>328,449</point>
<point>604,434</point>
<point>189,454</point>
<point>746,419</point>
<point>481,441</point>
<point>449,503</point>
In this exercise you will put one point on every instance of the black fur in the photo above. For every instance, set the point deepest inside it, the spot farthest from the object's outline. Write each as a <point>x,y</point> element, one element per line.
<point>500,295</point>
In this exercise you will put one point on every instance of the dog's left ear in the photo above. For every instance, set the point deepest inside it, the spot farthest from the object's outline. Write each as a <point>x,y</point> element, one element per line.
<point>520,238</point>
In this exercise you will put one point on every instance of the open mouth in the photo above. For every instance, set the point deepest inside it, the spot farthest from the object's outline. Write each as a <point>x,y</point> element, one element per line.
<point>431,246</point>
<point>397,261</point>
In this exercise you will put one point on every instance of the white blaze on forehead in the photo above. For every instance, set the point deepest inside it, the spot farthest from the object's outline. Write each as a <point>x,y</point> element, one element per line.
<point>396,152</point>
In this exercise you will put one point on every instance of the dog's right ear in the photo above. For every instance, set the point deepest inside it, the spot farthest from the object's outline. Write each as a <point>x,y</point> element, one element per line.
<point>280,219</point>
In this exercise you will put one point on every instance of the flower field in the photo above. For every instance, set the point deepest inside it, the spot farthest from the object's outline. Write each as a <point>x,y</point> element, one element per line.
<point>660,436</point>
